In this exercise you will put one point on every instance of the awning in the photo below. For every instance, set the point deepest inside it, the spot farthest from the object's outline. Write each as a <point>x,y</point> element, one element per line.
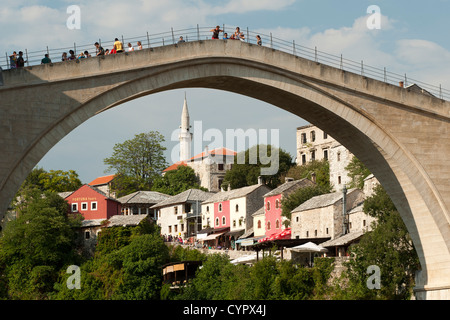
<point>235,233</point>
<point>248,241</point>
<point>309,247</point>
<point>213,236</point>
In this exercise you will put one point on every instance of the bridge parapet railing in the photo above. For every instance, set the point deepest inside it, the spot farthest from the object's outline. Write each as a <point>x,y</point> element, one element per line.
<point>34,57</point>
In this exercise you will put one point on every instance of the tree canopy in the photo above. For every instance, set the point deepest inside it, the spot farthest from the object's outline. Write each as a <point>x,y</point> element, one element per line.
<point>176,181</point>
<point>250,164</point>
<point>137,162</point>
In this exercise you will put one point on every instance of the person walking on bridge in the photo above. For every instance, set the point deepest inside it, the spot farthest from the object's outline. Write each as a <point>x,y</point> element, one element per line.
<point>118,46</point>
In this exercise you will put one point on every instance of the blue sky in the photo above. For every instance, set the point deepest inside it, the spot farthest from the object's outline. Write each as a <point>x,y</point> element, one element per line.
<point>413,39</point>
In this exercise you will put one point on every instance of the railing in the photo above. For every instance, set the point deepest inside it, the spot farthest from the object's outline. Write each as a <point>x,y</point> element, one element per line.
<point>203,33</point>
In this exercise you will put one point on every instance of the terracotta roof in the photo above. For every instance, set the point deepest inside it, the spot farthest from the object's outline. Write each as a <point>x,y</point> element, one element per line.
<point>175,166</point>
<point>215,152</point>
<point>102,180</point>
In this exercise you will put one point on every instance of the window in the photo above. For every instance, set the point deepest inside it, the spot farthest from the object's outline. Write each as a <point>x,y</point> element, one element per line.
<point>296,219</point>
<point>303,137</point>
<point>175,210</point>
<point>315,233</point>
<point>313,136</point>
<point>364,223</point>
<point>220,166</point>
<point>307,234</point>
<point>220,207</point>
<point>339,156</point>
<point>87,235</point>
<point>268,205</point>
<point>259,224</point>
<point>325,136</point>
<point>224,220</point>
<point>339,179</point>
<point>277,224</point>
<point>84,206</point>
<point>94,205</point>
<point>234,223</point>
<point>313,155</point>
<point>327,230</point>
<point>207,208</point>
<point>170,229</point>
<point>182,227</point>
<point>277,203</point>
<point>217,221</point>
<point>175,227</point>
<point>74,207</point>
<point>237,208</point>
<point>187,207</point>
<point>268,225</point>
<point>325,154</point>
<point>303,158</point>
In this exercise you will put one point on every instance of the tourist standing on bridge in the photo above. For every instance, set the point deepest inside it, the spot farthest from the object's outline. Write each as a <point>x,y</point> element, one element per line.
<point>13,60</point>
<point>216,32</point>
<point>139,45</point>
<point>100,50</point>
<point>46,59</point>
<point>20,60</point>
<point>64,56</point>
<point>258,40</point>
<point>118,46</point>
<point>72,55</point>
<point>238,35</point>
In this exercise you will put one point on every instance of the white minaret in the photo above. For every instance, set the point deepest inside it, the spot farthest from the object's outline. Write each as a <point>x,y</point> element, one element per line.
<point>185,134</point>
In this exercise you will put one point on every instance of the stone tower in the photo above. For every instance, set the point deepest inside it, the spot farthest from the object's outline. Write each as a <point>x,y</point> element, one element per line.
<point>185,134</point>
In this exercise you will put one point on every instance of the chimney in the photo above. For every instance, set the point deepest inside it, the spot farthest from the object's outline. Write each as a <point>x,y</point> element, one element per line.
<point>260,180</point>
<point>287,179</point>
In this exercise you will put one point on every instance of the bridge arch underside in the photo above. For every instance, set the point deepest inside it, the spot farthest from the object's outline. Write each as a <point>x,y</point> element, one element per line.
<point>348,117</point>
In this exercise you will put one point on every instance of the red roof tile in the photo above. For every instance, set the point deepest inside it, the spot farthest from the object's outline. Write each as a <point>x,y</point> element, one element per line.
<point>102,180</point>
<point>175,166</point>
<point>217,152</point>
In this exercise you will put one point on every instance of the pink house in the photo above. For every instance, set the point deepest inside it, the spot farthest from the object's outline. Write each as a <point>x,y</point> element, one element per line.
<point>222,214</point>
<point>272,204</point>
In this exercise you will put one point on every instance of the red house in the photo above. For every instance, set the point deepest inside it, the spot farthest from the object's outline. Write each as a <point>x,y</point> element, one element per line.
<point>272,204</point>
<point>92,203</point>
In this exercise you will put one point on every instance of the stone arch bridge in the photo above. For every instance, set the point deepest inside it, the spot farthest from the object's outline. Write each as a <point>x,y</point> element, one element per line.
<point>402,136</point>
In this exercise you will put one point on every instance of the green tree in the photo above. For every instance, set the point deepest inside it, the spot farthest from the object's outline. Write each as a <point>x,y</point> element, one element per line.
<point>357,171</point>
<point>176,181</point>
<point>60,181</point>
<point>36,245</point>
<point>137,162</point>
<point>245,172</point>
<point>319,168</point>
<point>387,246</point>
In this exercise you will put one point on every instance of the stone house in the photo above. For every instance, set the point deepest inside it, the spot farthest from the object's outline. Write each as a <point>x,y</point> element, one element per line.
<point>140,202</point>
<point>104,184</point>
<point>322,216</point>
<point>90,229</point>
<point>180,215</point>
<point>312,144</point>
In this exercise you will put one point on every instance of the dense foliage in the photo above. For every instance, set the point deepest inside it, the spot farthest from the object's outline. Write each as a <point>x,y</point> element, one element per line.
<point>248,165</point>
<point>137,162</point>
<point>176,181</point>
